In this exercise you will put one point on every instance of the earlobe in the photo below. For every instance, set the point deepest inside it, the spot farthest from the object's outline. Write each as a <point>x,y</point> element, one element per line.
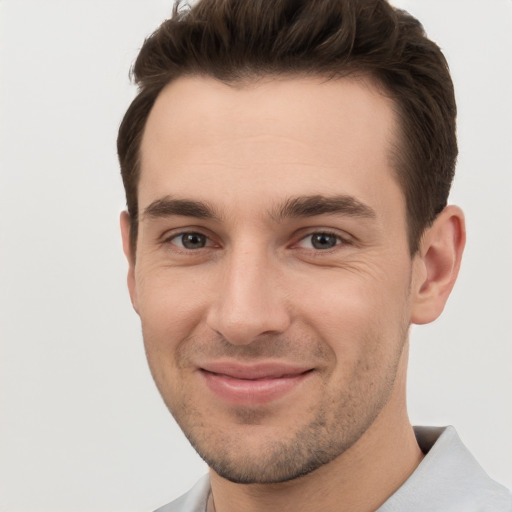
<point>437,265</point>
<point>125,235</point>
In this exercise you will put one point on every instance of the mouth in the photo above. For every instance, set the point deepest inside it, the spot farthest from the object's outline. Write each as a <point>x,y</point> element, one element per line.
<point>258,384</point>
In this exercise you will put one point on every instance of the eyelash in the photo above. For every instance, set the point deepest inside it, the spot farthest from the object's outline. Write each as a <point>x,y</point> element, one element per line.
<point>169,240</point>
<point>340,241</point>
<point>325,233</point>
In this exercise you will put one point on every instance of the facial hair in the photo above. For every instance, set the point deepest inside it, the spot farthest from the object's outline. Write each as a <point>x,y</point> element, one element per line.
<point>331,425</point>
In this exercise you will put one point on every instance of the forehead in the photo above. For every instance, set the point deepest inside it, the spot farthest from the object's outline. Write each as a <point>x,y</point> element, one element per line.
<point>267,139</point>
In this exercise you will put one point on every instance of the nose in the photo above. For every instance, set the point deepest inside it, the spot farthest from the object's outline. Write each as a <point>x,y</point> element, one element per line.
<point>249,301</point>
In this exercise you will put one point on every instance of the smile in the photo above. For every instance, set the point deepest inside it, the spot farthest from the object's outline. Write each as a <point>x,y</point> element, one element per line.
<point>252,385</point>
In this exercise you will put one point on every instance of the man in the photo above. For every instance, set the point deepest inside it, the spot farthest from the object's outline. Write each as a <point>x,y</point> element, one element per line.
<point>287,166</point>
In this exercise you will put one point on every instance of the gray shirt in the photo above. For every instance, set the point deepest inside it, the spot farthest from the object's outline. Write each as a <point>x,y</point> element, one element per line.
<point>449,479</point>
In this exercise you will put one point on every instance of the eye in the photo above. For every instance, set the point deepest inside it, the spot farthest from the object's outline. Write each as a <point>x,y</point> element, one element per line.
<point>320,241</point>
<point>190,240</point>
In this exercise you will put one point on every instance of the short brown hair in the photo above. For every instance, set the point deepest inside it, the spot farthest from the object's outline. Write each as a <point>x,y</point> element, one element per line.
<point>239,40</point>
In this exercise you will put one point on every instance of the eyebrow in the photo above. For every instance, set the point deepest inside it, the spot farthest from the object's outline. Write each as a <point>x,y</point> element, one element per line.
<point>310,206</point>
<point>168,206</point>
<point>295,207</point>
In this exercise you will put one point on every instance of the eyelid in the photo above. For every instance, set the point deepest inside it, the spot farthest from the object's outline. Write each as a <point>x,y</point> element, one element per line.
<point>339,240</point>
<point>168,236</point>
<point>302,234</point>
<point>342,236</point>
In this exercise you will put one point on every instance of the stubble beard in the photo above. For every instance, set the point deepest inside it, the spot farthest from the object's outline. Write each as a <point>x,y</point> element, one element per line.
<point>279,460</point>
<point>335,426</point>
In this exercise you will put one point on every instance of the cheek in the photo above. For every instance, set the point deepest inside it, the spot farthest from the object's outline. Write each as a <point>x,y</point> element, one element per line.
<point>361,315</point>
<point>171,304</point>
<point>170,310</point>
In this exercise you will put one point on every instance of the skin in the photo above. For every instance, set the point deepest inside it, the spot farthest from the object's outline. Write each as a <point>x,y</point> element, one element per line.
<point>329,289</point>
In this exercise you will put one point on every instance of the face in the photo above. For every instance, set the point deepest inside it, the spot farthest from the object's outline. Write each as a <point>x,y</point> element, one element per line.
<point>272,273</point>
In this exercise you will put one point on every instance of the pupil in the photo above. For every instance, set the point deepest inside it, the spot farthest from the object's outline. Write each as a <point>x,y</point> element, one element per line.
<point>323,241</point>
<point>193,240</point>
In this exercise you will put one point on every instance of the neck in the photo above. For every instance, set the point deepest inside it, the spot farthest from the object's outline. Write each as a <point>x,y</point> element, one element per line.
<point>359,480</point>
<point>348,483</point>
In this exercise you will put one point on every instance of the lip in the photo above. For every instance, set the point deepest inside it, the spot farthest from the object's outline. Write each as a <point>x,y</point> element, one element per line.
<point>254,384</point>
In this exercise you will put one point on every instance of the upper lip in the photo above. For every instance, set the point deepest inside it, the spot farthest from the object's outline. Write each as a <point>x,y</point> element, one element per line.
<point>253,371</point>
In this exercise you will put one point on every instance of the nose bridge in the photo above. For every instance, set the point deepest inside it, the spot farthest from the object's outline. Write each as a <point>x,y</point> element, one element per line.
<point>248,302</point>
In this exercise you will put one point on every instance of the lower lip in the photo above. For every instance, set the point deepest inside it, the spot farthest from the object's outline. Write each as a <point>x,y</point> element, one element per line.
<point>251,392</point>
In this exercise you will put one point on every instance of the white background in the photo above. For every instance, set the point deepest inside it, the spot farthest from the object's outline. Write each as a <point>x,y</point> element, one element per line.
<point>82,427</point>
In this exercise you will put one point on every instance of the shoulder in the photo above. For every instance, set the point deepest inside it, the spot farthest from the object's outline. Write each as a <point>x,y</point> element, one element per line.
<point>193,501</point>
<point>449,478</point>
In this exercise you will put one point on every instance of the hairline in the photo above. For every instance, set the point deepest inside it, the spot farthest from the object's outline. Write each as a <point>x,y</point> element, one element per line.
<point>253,77</point>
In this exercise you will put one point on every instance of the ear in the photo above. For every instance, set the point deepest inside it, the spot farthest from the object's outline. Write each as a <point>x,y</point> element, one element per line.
<point>125,235</point>
<point>437,265</point>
